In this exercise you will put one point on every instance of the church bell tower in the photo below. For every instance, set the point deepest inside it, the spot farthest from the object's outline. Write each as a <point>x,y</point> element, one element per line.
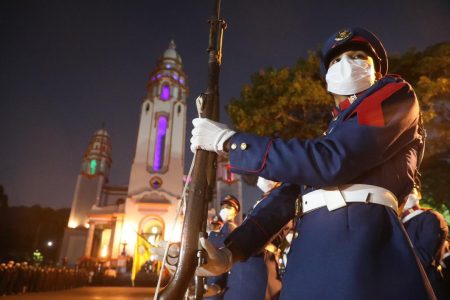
<point>158,161</point>
<point>156,178</point>
<point>93,175</point>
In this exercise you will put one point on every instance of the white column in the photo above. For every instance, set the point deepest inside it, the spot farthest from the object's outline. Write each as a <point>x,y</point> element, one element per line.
<point>111,237</point>
<point>117,239</point>
<point>90,239</point>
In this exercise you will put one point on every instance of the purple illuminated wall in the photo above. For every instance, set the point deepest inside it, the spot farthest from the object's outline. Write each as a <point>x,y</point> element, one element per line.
<point>165,92</point>
<point>158,159</point>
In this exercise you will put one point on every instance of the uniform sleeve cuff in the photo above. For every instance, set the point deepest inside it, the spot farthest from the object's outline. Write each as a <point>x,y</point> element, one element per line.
<point>248,153</point>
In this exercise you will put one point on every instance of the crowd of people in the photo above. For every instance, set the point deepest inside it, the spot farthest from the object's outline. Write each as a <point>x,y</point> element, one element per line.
<point>19,278</point>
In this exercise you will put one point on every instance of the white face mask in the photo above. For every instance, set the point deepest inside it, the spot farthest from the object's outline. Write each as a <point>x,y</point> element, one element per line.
<point>350,76</point>
<point>227,214</point>
<point>265,185</point>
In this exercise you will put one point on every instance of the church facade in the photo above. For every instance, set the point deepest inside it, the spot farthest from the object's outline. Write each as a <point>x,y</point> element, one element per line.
<point>107,220</point>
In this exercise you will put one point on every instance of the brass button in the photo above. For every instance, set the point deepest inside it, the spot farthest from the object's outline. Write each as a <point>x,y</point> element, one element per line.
<point>233,146</point>
<point>243,146</point>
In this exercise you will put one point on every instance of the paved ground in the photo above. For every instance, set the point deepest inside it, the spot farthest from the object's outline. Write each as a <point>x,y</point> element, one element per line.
<point>91,293</point>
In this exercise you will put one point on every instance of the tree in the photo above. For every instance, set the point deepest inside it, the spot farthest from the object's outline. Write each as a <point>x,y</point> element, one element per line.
<point>25,229</point>
<point>429,73</point>
<point>3,198</point>
<point>435,189</point>
<point>285,102</point>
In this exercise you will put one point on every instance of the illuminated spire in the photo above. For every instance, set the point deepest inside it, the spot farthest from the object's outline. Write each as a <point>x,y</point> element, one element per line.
<point>97,157</point>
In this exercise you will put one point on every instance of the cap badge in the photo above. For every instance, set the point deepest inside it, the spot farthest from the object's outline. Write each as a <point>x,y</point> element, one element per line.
<point>342,35</point>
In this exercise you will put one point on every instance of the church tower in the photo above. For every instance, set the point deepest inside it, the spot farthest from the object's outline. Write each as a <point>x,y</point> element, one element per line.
<point>161,134</point>
<point>156,178</point>
<point>106,221</point>
<point>89,189</point>
<point>93,175</point>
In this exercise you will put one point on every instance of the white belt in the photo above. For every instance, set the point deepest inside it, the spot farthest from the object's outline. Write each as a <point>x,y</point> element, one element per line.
<point>412,215</point>
<point>337,197</point>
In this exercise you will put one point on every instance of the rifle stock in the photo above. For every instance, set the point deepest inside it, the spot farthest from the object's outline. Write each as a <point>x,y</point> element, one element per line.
<point>203,174</point>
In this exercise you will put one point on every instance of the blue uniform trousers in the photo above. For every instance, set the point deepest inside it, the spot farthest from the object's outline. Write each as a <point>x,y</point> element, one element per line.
<point>247,280</point>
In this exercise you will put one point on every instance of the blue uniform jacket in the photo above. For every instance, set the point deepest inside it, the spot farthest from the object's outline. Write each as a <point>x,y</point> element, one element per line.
<point>257,277</point>
<point>428,232</point>
<point>375,141</point>
<point>217,239</point>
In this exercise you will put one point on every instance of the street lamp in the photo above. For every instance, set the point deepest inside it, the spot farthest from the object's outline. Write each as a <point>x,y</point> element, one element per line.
<point>48,252</point>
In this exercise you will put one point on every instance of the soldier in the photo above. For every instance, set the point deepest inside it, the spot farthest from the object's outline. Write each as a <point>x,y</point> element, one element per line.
<point>215,285</point>
<point>257,277</point>
<point>341,188</point>
<point>229,208</point>
<point>427,230</point>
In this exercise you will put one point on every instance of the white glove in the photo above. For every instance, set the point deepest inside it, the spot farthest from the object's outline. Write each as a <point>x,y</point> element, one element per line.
<point>209,135</point>
<point>172,254</point>
<point>218,261</point>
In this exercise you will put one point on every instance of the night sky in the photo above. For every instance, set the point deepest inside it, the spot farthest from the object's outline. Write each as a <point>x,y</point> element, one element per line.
<point>68,66</point>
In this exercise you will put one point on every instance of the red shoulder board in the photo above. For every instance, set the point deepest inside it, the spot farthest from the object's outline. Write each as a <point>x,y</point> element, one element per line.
<point>370,112</point>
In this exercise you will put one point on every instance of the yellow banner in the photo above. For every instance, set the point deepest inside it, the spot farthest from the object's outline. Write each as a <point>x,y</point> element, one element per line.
<point>141,255</point>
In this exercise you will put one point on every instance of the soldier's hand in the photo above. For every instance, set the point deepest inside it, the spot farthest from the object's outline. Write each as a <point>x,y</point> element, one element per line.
<point>209,135</point>
<point>218,261</point>
<point>172,254</point>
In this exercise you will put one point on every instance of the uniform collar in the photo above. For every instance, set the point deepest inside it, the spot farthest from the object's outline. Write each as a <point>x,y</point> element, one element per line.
<point>343,105</point>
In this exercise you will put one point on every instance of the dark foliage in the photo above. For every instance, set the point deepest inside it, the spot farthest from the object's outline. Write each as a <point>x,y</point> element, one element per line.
<point>25,229</point>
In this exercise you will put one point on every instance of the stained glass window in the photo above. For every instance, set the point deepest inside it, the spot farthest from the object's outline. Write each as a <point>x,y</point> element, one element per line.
<point>158,159</point>
<point>165,92</point>
<point>92,166</point>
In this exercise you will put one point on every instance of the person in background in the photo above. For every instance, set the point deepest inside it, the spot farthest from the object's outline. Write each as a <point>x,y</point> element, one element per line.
<point>258,277</point>
<point>341,189</point>
<point>221,227</point>
<point>427,230</point>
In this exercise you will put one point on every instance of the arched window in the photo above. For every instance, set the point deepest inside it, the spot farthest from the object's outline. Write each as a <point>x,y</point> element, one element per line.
<point>165,92</point>
<point>161,130</point>
<point>153,231</point>
<point>92,166</point>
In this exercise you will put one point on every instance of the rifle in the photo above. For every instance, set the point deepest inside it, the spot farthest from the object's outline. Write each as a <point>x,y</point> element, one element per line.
<point>203,176</point>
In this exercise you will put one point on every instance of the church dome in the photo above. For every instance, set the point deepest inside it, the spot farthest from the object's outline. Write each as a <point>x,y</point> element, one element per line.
<point>171,53</point>
<point>168,78</point>
<point>102,132</point>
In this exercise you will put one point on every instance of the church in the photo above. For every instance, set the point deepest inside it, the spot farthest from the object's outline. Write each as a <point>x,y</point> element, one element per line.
<point>106,220</point>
